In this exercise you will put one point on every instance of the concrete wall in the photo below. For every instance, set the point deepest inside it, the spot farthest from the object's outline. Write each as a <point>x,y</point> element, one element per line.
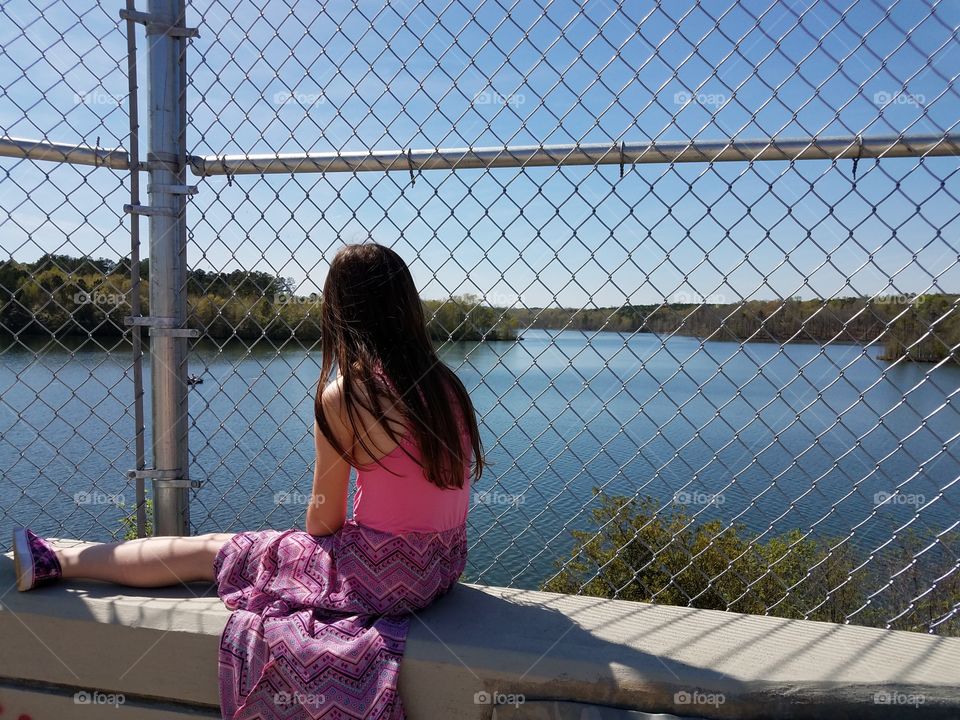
<point>75,649</point>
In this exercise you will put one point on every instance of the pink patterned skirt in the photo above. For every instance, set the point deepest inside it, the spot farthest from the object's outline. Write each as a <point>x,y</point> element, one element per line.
<point>319,624</point>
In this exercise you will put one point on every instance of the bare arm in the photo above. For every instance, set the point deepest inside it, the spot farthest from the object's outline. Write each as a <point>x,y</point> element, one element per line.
<point>327,510</point>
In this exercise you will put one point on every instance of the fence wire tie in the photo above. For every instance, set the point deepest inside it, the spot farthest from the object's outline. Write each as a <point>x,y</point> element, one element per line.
<point>223,164</point>
<point>856,158</point>
<point>623,154</point>
<point>413,179</point>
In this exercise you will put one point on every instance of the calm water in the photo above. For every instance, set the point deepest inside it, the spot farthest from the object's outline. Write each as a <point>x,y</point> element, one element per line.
<point>561,413</point>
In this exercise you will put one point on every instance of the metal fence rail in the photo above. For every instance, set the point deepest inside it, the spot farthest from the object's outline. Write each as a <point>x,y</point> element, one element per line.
<point>698,267</point>
<point>834,148</point>
<point>576,154</point>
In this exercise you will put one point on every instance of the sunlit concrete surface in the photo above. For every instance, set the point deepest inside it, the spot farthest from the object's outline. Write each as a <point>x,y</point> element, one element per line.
<point>70,649</point>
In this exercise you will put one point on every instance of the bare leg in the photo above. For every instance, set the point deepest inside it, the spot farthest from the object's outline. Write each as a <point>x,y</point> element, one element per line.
<point>146,562</point>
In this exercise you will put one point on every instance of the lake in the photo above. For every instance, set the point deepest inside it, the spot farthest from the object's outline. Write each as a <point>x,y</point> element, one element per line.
<point>776,438</point>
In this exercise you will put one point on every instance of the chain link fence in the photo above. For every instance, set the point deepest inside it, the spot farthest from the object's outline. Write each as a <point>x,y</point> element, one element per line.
<point>697,266</point>
<point>67,414</point>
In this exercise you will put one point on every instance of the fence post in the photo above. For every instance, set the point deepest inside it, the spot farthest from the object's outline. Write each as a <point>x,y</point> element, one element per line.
<point>166,159</point>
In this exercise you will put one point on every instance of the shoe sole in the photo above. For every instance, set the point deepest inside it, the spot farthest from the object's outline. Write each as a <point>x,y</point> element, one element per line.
<point>21,550</point>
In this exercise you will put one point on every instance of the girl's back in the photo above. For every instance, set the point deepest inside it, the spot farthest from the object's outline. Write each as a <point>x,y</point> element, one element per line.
<point>393,493</point>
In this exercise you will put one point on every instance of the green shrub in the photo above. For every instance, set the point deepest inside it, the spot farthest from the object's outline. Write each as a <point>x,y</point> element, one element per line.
<point>129,522</point>
<point>638,552</point>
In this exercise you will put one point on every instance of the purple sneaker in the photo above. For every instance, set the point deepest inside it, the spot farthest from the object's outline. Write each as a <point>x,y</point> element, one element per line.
<point>34,560</point>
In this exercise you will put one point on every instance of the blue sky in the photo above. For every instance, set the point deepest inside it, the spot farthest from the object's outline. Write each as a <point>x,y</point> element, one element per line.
<point>449,74</point>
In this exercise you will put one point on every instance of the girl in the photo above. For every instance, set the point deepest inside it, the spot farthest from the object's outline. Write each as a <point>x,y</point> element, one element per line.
<point>404,420</point>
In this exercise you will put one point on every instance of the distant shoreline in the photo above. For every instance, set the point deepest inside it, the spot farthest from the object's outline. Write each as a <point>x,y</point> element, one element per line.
<point>90,298</point>
<point>7,336</point>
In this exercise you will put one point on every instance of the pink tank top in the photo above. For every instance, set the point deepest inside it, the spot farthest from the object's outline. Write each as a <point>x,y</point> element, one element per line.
<point>407,501</point>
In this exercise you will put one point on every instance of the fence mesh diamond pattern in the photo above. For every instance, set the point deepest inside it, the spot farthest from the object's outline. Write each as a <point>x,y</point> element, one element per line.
<point>710,369</point>
<point>66,406</point>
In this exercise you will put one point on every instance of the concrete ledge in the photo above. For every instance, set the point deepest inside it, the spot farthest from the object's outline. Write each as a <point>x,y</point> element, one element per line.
<point>477,653</point>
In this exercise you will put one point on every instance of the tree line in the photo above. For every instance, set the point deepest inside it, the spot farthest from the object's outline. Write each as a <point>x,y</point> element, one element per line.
<point>919,327</point>
<point>59,294</point>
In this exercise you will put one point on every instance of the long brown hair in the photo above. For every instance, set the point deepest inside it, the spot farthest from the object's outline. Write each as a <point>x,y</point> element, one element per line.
<point>372,316</point>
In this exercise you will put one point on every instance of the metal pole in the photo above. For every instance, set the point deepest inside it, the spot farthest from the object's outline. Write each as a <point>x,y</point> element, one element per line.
<point>167,269</point>
<point>627,153</point>
<point>141,507</point>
